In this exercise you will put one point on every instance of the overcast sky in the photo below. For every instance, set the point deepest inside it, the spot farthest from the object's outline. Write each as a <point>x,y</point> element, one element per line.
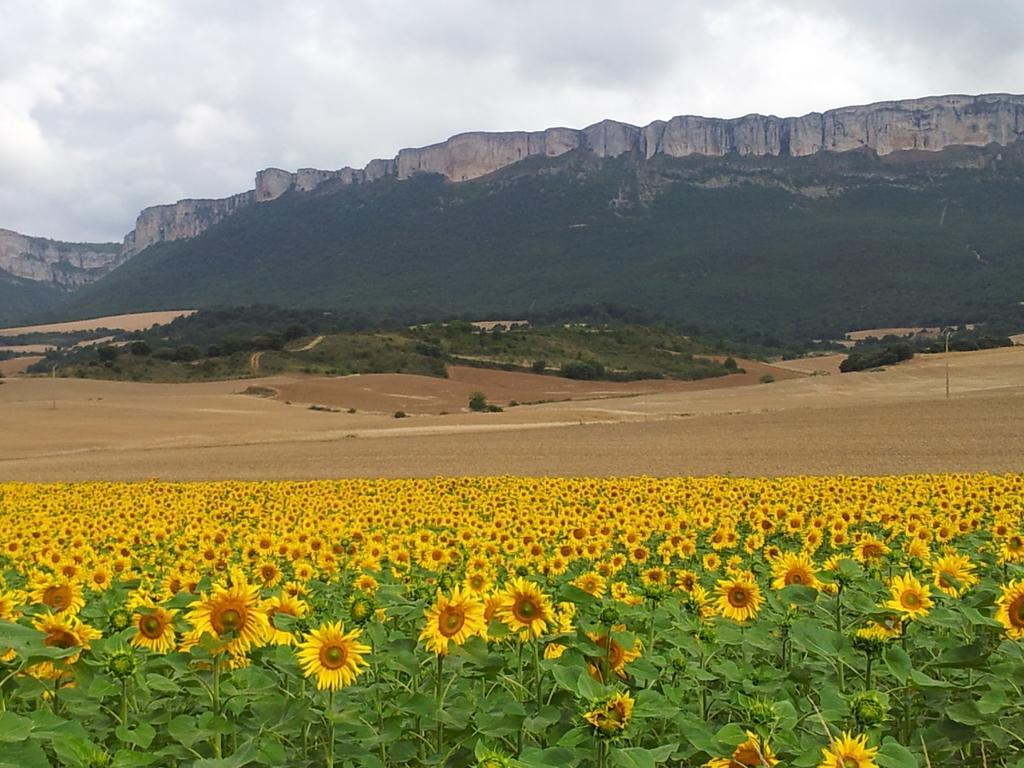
<point>107,106</point>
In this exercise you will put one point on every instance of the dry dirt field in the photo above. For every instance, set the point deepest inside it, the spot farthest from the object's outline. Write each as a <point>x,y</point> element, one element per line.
<point>875,423</point>
<point>386,393</point>
<point>139,321</point>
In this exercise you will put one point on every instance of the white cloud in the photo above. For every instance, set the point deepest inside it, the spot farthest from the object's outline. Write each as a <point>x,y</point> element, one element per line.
<point>113,105</point>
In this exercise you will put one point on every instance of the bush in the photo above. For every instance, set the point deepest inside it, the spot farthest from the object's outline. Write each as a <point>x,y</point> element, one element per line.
<point>108,353</point>
<point>401,415</point>
<point>730,364</point>
<point>539,366</point>
<point>478,402</point>
<point>186,353</point>
<point>766,378</point>
<point>140,348</point>
<point>875,358</point>
<point>584,370</point>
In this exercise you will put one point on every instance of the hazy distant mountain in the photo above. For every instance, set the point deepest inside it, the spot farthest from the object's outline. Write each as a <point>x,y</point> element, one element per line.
<point>36,272</point>
<point>894,212</point>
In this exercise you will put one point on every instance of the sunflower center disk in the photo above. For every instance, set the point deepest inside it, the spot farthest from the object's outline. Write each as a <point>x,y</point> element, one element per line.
<point>1016,612</point>
<point>332,656</point>
<point>150,626</point>
<point>56,597</point>
<point>230,620</point>
<point>525,610</point>
<point>451,622</point>
<point>738,597</point>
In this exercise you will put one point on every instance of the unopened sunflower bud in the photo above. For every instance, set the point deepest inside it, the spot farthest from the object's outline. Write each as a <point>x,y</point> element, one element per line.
<point>122,664</point>
<point>868,709</point>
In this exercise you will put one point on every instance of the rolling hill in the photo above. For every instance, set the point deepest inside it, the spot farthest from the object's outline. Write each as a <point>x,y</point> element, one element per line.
<point>784,245</point>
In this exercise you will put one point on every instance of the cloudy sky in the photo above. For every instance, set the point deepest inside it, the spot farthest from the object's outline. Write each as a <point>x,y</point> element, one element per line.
<point>108,106</point>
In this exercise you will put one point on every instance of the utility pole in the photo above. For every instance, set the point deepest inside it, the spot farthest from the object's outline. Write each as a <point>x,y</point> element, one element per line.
<point>53,387</point>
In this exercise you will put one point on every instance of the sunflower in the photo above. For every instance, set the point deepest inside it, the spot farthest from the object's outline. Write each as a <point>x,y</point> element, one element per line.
<point>909,596</point>
<point>10,601</point>
<point>478,582</point>
<point>525,608</point>
<point>554,650</point>
<point>794,569</point>
<point>154,628</point>
<point>61,631</point>
<point>592,583</point>
<point>739,597</point>
<point>751,753</point>
<point>1010,612</point>
<point>283,605</point>
<point>452,619</point>
<point>614,655</point>
<point>1012,549</point>
<point>954,574</point>
<point>849,752</point>
<point>269,574</point>
<point>57,593</point>
<point>332,656</point>
<point>882,631</point>
<point>613,716</point>
<point>232,614</point>
<point>870,548</point>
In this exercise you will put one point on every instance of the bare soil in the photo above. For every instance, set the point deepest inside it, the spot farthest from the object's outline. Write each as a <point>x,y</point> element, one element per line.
<point>138,321</point>
<point>389,392</point>
<point>897,420</point>
<point>18,365</point>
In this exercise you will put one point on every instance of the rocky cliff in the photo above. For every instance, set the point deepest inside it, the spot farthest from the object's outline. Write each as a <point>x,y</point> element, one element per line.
<point>929,124</point>
<point>66,265</point>
<point>180,220</point>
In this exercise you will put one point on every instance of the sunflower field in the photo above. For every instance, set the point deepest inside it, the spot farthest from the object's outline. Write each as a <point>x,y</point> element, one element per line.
<point>841,622</point>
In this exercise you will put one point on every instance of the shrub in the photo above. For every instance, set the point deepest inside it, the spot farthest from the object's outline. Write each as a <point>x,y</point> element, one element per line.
<point>875,358</point>
<point>766,378</point>
<point>401,415</point>
<point>539,366</point>
<point>477,402</point>
<point>584,370</point>
<point>108,353</point>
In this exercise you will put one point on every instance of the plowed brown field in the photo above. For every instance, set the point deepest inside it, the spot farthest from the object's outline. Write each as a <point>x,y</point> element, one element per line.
<point>897,420</point>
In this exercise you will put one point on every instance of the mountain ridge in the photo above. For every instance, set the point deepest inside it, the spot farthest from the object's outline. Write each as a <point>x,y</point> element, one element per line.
<point>929,123</point>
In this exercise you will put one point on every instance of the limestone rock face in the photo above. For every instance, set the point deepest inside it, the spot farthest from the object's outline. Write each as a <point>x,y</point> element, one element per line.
<point>180,220</point>
<point>67,265</point>
<point>931,123</point>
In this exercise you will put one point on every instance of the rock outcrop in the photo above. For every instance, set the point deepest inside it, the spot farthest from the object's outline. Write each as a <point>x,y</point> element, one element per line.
<point>930,124</point>
<point>180,220</point>
<point>67,265</point>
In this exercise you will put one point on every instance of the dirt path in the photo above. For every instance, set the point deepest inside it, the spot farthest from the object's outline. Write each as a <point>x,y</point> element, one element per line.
<point>309,346</point>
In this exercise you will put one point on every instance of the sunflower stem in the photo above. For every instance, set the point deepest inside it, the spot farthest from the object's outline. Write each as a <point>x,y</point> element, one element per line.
<point>380,713</point>
<point>329,716</point>
<point>906,691</point>
<point>650,634</point>
<point>536,673</point>
<point>520,697</point>
<point>439,696</point>
<point>215,700</point>
<point>840,668</point>
<point>124,702</point>
<point>602,753</point>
